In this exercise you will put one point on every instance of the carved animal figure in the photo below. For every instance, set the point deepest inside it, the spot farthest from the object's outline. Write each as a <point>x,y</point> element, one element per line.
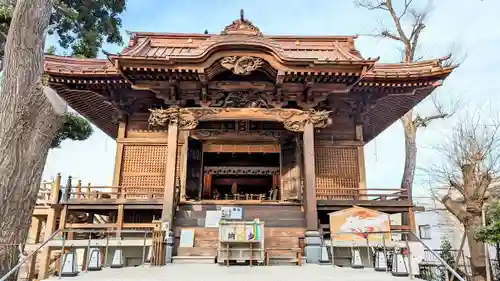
<point>241,65</point>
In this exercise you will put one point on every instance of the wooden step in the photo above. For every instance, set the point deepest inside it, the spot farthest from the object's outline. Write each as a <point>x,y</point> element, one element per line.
<point>280,260</point>
<point>197,251</point>
<point>194,259</point>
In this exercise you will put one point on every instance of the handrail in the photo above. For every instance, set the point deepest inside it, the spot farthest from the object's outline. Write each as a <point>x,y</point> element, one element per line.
<point>439,258</point>
<point>23,261</point>
<point>366,234</point>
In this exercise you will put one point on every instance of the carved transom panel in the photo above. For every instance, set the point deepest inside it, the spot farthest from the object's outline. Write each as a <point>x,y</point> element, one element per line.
<point>238,99</point>
<point>188,118</point>
<point>244,65</point>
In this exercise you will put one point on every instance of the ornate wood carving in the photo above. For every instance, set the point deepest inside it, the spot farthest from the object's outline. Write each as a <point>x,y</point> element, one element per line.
<point>241,26</point>
<point>264,171</point>
<point>244,65</point>
<point>219,134</point>
<point>238,99</point>
<point>161,118</point>
<point>188,118</point>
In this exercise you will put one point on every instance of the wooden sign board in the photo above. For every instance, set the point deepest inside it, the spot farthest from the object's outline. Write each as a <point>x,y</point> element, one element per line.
<point>350,225</point>
<point>187,238</point>
<point>232,213</point>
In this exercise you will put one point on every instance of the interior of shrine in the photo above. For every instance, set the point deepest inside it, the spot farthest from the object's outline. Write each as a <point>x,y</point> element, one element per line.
<point>233,176</point>
<point>240,176</point>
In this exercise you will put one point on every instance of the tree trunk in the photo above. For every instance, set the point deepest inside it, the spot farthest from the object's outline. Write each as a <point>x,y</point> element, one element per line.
<point>28,122</point>
<point>410,162</point>
<point>411,152</point>
<point>476,249</point>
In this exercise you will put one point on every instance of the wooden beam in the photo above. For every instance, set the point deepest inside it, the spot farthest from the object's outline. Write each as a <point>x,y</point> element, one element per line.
<point>169,193</point>
<point>120,147</point>
<point>310,178</point>
<point>91,225</point>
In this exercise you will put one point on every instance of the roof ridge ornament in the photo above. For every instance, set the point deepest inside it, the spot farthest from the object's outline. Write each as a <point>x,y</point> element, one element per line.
<point>242,26</point>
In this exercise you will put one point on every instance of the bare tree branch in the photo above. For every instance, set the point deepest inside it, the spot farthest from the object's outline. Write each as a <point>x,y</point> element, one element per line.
<point>369,5</point>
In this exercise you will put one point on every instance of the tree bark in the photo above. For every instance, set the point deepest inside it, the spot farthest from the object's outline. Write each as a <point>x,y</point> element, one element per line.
<point>411,152</point>
<point>28,122</point>
<point>477,253</point>
<point>410,132</point>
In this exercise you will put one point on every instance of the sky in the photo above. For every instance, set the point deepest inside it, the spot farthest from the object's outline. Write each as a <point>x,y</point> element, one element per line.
<point>466,28</point>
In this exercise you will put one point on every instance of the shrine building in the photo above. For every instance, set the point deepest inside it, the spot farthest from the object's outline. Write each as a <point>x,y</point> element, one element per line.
<point>274,125</point>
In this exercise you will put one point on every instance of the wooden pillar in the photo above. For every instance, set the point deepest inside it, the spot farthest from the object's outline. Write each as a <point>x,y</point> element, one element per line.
<point>169,193</point>
<point>298,159</point>
<point>34,231</point>
<point>184,169</point>
<point>62,218</point>
<point>119,220</point>
<point>78,194</point>
<point>361,160</point>
<point>122,129</point>
<point>310,179</point>
<point>54,192</point>
<point>50,227</point>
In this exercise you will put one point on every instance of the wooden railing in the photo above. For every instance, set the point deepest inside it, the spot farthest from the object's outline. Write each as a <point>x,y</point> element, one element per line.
<point>361,194</point>
<point>79,193</point>
<point>112,192</point>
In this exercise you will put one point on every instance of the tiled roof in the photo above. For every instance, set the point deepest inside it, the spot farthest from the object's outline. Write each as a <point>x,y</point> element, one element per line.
<point>68,65</point>
<point>175,45</point>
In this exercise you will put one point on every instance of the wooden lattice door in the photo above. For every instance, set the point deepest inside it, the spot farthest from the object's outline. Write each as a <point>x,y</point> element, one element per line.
<point>290,172</point>
<point>194,175</point>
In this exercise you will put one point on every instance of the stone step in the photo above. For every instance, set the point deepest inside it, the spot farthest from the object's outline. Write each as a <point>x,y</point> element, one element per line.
<point>194,259</point>
<point>214,272</point>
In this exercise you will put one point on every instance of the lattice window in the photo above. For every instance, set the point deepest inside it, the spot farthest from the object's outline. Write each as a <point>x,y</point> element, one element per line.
<point>144,158</point>
<point>337,173</point>
<point>143,170</point>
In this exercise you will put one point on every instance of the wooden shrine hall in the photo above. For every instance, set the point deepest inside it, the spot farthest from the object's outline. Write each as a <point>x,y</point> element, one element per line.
<point>274,124</point>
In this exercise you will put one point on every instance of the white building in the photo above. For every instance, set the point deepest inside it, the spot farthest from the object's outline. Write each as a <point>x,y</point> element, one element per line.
<point>435,224</point>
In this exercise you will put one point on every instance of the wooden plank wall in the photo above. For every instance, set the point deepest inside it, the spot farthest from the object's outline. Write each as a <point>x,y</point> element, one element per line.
<point>337,172</point>
<point>283,227</point>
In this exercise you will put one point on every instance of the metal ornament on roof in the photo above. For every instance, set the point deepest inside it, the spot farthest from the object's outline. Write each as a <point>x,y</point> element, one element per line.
<point>241,26</point>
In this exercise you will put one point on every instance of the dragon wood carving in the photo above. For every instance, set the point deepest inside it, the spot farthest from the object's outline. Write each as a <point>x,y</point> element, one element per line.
<point>162,118</point>
<point>188,118</point>
<point>241,65</point>
<point>297,123</point>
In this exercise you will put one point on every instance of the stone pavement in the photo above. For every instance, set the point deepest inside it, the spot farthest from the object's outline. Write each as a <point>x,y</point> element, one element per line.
<point>213,272</point>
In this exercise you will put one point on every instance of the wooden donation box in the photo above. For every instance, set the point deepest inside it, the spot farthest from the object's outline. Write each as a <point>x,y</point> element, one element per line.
<point>241,241</point>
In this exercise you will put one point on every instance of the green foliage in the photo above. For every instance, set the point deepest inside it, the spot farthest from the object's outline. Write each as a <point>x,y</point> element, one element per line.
<point>446,252</point>
<point>81,25</point>
<point>51,50</point>
<point>448,255</point>
<point>490,233</point>
<point>74,128</point>
<point>84,25</point>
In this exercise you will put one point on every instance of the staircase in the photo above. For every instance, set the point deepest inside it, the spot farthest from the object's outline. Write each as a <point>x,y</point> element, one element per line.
<point>212,272</point>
